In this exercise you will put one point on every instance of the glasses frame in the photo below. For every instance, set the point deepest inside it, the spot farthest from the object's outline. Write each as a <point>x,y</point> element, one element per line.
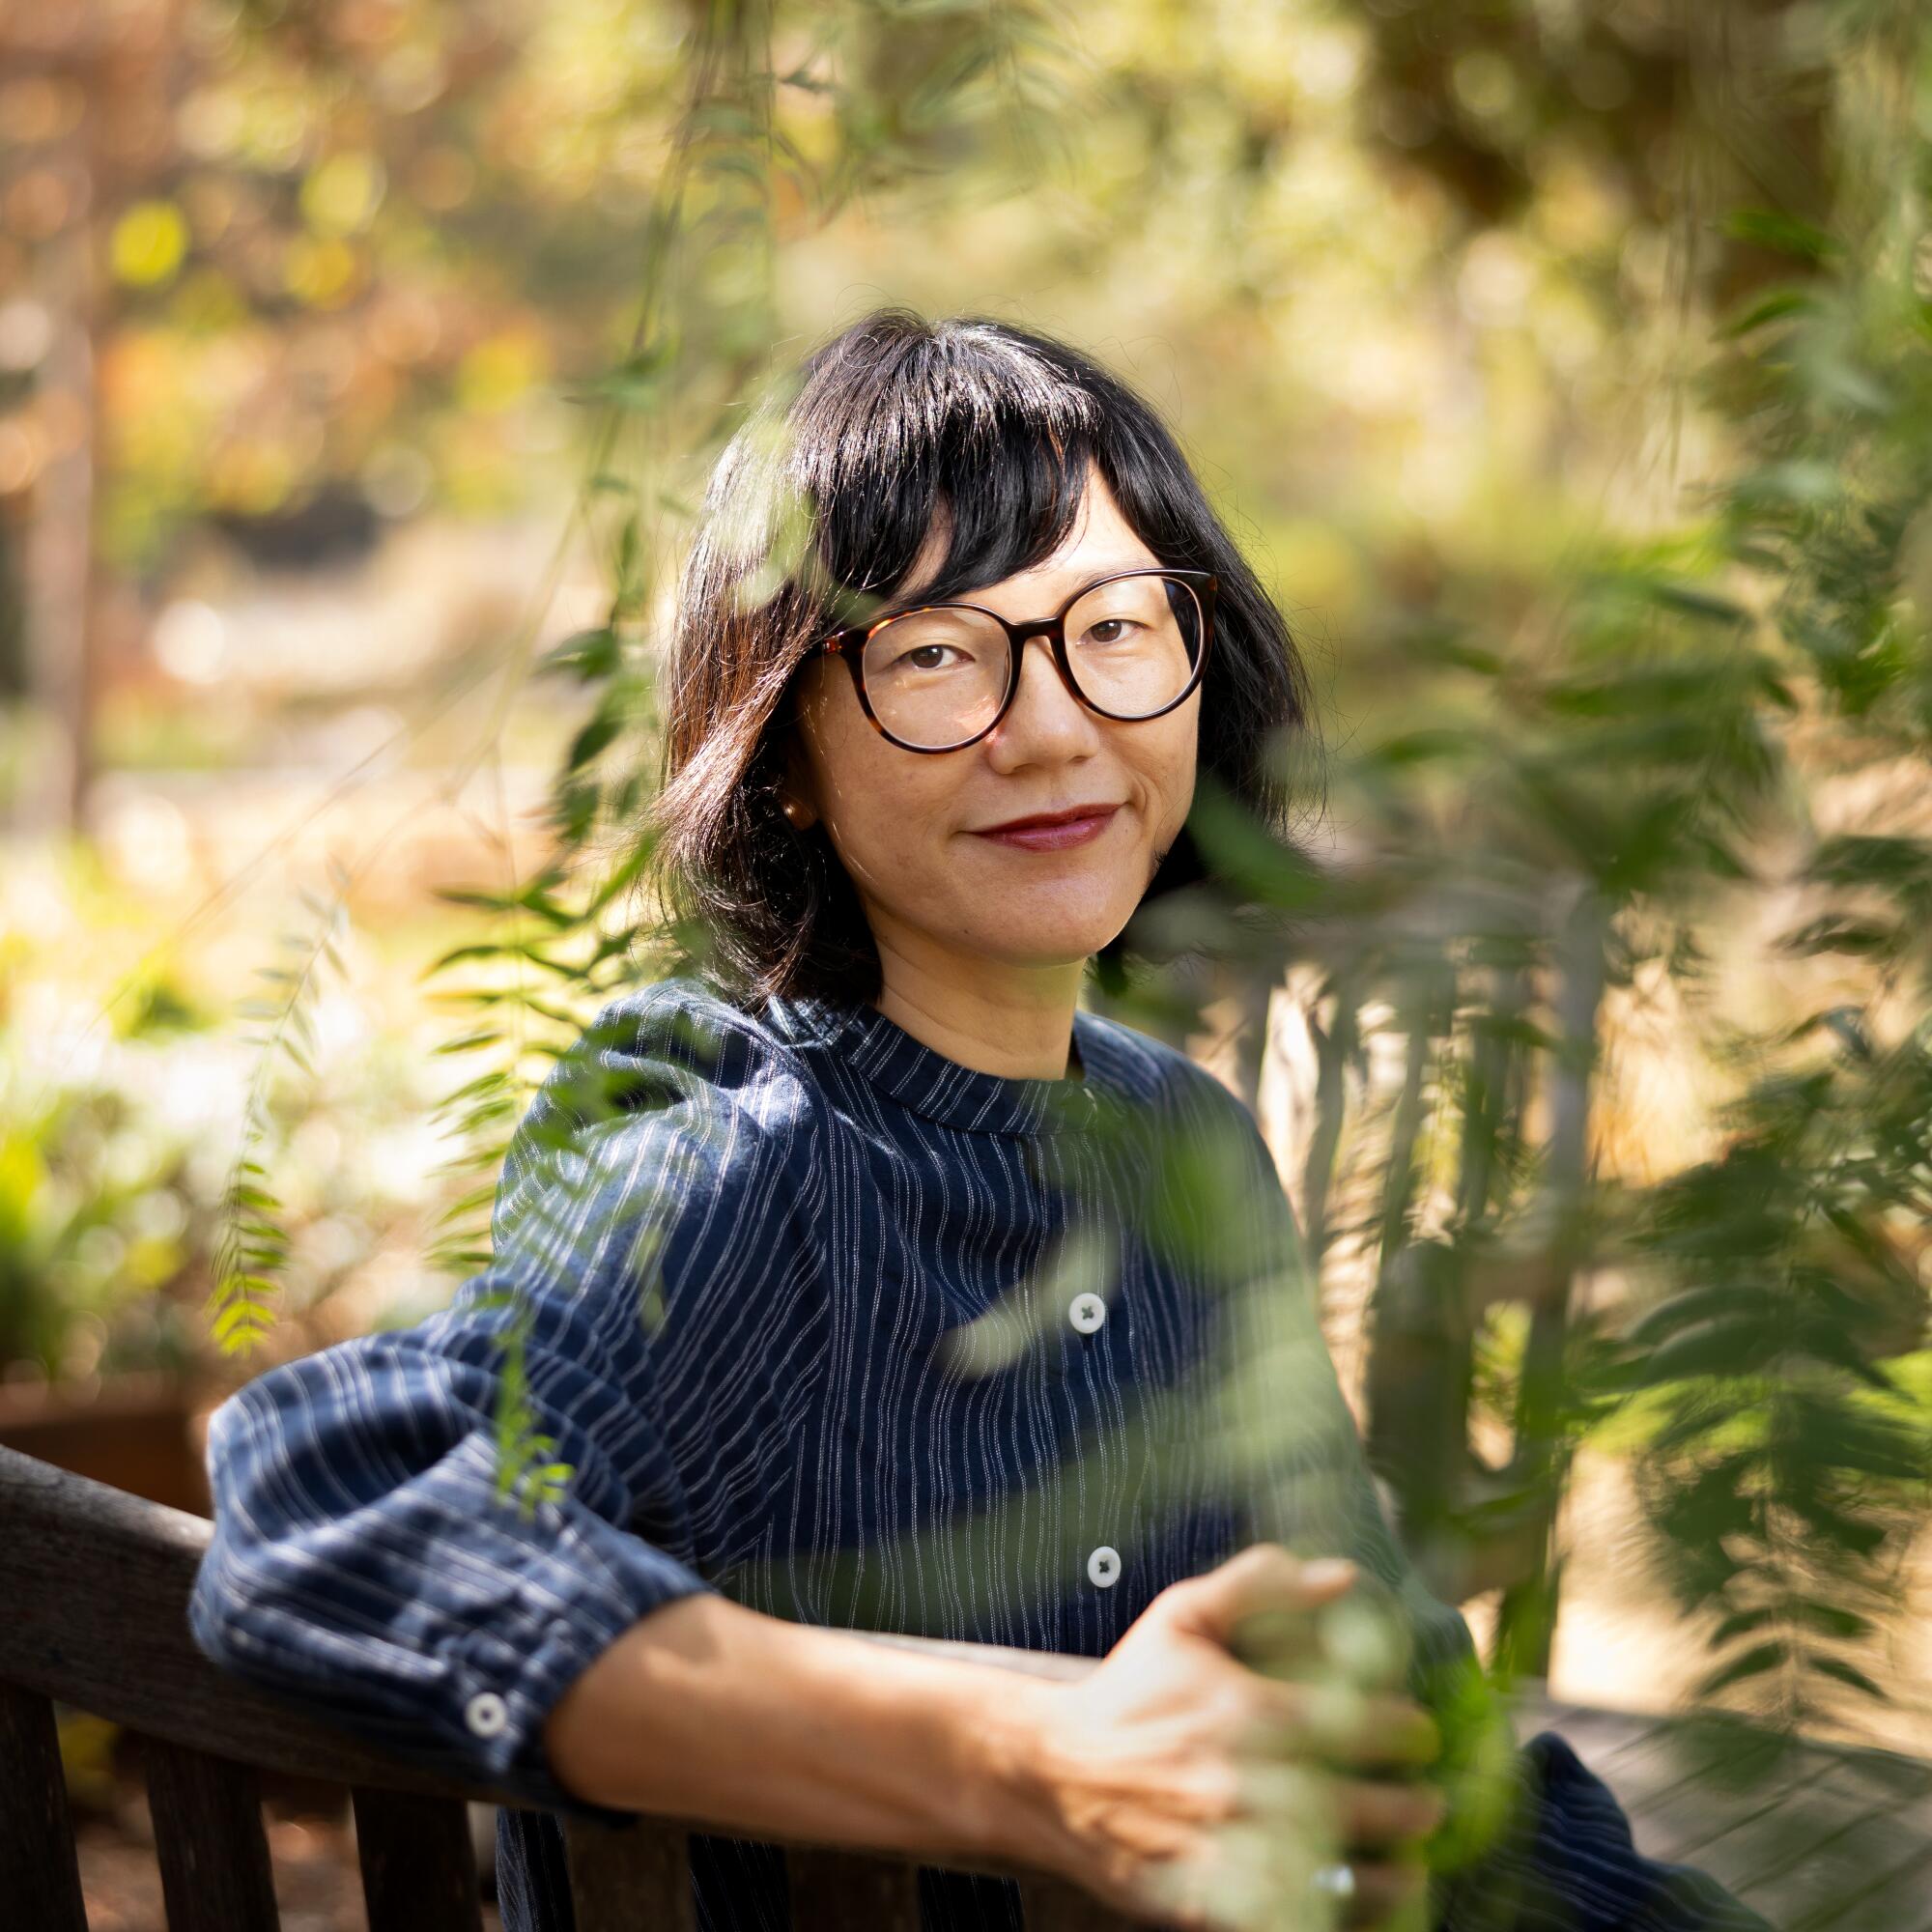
<point>849,643</point>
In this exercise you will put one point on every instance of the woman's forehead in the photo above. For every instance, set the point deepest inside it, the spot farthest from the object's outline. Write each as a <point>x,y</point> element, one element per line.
<point>1100,540</point>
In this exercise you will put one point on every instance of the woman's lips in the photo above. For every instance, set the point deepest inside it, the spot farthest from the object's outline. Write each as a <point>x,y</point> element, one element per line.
<point>1055,838</point>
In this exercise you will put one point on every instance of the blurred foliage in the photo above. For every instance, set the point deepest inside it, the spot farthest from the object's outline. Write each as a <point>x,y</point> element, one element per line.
<point>1604,762</point>
<point>1569,366</point>
<point>1664,764</point>
<point>255,1244</point>
<point>92,1231</point>
<point>99,1227</point>
<point>353,255</point>
<point>121,1146</point>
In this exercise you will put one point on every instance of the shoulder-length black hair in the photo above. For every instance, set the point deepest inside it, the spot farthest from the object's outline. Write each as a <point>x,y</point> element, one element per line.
<point>815,513</point>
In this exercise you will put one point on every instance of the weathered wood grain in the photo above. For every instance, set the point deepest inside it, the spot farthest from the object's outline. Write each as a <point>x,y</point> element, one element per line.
<point>1818,1838</point>
<point>1835,1836</point>
<point>96,1584</point>
<point>1052,1905</point>
<point>214,1853</point>
<point>418,1866</point>
<point>832,1891</point>
<point>39,1876</point>
<point>1900,1900</point>
<point>1596,1735</point>
<point>624,1878</point>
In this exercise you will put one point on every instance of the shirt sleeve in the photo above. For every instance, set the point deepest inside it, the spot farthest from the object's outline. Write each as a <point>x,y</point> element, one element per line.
<point>366,1561</point>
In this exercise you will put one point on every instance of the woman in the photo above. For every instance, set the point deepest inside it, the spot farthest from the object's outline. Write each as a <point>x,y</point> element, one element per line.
<point>862,1276</point>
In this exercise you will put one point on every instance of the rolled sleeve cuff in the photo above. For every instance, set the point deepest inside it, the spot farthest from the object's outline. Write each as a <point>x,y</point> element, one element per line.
<point>445,1639</point>
<point>585,1592</point>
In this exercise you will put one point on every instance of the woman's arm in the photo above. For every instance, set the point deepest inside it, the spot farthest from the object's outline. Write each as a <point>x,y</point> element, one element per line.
<point>1119,1780</point>
<point>709,1711</point>
<point>366,1563</point>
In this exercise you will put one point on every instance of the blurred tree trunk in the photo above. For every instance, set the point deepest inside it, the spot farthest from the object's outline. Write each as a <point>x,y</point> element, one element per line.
<point>121,70</point>
<point>56,177</point>
<point>58,575</point>
<point>1526,1620</point>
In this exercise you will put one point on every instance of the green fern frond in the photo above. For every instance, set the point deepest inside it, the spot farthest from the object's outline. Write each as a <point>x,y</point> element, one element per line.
<point>252,1249</point>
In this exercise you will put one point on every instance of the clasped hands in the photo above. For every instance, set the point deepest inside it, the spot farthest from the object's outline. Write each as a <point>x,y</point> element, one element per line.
<point>1241,1759</point>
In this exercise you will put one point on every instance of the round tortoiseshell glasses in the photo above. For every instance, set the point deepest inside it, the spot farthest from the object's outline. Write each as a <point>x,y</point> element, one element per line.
<point>938,677</point>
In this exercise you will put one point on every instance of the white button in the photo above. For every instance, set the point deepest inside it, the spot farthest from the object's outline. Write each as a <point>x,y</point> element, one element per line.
<point>486,1713</point>
<point>1103,1566</point>
<point>1087,1312</point>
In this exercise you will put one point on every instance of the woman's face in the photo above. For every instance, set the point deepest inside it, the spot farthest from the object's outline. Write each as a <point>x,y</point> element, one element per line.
<point>910,827</point>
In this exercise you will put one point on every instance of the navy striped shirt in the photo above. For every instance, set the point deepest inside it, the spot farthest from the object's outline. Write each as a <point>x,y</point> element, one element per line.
<point>858,1336</point>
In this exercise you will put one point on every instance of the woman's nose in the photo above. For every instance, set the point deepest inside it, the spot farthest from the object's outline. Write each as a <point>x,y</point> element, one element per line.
<point>1045,710</point>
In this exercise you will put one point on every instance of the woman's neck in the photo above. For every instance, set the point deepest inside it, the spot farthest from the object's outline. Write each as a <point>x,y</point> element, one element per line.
<point>1017,1022</point>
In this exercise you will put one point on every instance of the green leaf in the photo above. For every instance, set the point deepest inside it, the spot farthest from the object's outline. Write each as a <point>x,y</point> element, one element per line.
<point>1836,1669</point>
<point>1831,1618</point>
<point>1691,600</point>
<point>1753,1662</point>
<point>466,1042</point>
<point>598,732</point>
<point>1783,233</point>
<point>1740,1623</point>
<point>585,655</point>
<point>1778,305</point>
<point>1243,851</point>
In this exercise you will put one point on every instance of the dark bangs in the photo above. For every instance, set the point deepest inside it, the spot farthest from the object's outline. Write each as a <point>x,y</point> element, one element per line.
<point>899,429</point>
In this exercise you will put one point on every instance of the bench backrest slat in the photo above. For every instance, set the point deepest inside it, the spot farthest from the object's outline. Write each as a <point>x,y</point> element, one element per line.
<point>626,1876</point>
<point>40,1874</point>
<point>832,1890</point>
<point>418,1864</point>
<point>1051,1904</point>
<point>213,1853</point>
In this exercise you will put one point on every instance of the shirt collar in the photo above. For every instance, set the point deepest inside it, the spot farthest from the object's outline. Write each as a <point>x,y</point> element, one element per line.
<point>924,1080</point>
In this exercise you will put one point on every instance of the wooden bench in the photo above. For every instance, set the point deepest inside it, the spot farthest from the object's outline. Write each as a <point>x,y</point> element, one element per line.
<point>94,1588</point>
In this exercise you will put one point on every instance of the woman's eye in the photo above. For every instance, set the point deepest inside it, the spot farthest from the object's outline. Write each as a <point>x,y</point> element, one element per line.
<point>922,657</point>
<point>1114,628</point>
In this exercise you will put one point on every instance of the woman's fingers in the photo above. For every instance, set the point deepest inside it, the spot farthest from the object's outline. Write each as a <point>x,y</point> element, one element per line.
<point>1388,1814</point>
<point>1352,1812</point>
<point>1363,1730</point>
<point>1383,1890</point>
<point>1261,1581</point>
<point>1375,1829</point>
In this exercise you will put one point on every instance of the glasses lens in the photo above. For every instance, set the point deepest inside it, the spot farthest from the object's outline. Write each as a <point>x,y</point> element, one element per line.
<point>936,677</point>
<point>1133,644</point>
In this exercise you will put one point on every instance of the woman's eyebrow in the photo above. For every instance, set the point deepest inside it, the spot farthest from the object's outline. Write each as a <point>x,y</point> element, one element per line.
<point>1115,569</point>
<point>907,601</point>
<point>1075,586</point>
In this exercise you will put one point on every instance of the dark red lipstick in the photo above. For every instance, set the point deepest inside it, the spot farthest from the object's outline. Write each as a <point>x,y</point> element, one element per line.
<point>1052,831</point>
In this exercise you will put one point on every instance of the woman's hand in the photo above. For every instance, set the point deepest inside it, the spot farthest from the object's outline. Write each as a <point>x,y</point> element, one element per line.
<point>1171,1738</point>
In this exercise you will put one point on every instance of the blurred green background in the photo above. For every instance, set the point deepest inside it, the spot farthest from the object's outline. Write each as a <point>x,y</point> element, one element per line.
<point>1565,367</point>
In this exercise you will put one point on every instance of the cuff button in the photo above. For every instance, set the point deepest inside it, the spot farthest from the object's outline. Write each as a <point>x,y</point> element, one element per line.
<point>486,1713</point>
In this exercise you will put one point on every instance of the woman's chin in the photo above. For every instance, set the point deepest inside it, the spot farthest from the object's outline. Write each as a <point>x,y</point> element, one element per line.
<point>1058,941</point>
